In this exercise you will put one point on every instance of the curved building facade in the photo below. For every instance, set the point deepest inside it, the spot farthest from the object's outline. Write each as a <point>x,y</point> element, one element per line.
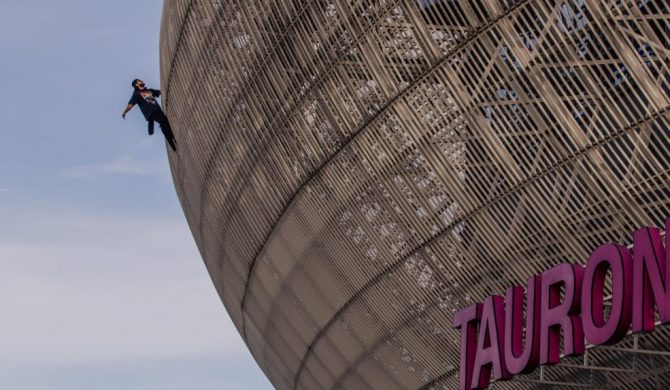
<point>355,172</point>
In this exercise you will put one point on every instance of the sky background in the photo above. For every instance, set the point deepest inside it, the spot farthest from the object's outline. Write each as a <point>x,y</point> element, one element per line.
<point>101,285</point>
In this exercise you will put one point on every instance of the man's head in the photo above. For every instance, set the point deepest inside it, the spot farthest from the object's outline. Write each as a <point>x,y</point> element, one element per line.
<point>138,84</point>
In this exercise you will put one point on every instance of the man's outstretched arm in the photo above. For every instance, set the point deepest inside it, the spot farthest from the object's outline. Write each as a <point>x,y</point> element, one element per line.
<point>128,108</point>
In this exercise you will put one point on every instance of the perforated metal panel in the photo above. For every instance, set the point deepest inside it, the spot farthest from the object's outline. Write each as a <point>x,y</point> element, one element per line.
<point>353,172</point>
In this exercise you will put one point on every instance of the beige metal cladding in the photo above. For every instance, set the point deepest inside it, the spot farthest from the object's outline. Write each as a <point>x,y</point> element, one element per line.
<point>354,171</point>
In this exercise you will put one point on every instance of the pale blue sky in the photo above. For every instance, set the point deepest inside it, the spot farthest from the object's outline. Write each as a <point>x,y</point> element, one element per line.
<point>101,285</point>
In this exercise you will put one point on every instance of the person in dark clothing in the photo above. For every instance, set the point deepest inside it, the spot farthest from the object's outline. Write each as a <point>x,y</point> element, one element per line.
<point>146,99</point>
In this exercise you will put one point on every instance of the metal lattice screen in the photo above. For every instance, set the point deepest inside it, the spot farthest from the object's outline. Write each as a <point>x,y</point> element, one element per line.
<point>355,171</point>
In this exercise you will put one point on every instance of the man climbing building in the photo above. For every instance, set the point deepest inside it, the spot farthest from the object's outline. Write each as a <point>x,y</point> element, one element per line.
<point>146,99</point>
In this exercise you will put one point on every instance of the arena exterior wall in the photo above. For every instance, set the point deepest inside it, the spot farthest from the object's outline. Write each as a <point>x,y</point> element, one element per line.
<point>354,172</point>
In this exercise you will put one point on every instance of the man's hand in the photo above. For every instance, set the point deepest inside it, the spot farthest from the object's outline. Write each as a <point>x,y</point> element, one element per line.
<point>128,108</point>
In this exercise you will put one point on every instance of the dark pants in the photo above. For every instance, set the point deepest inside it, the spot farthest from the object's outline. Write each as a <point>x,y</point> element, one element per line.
<point>162,120</point>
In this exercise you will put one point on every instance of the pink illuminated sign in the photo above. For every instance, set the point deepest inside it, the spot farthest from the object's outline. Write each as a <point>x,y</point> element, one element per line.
<point>498,342</point>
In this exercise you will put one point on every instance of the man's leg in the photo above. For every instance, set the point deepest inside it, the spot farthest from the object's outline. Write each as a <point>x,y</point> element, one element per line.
<point>163,121</point>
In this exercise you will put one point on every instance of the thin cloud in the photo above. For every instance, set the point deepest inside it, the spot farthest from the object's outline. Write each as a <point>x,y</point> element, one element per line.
<point>103,288</point>
<point>4,190</point>
<point>123,165</point>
